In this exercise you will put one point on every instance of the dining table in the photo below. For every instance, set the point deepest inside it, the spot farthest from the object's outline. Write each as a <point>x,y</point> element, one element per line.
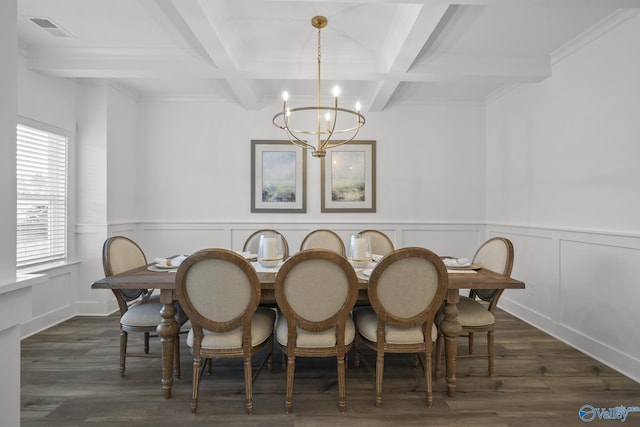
<point>144,278</point>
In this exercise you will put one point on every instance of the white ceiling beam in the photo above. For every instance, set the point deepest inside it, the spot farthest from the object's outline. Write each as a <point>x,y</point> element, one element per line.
<point>119,63</point>
<point>206,34</point>
<point>423,27</point>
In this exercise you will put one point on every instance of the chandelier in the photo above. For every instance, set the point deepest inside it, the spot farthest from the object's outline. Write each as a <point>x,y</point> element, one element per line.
<point>321,121</point>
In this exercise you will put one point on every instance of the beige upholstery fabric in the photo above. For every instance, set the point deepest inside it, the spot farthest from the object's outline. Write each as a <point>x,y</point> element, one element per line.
<point>367,323</point>
<point>124,256</point>
<point>306,339</point>
<point>210,292</point>
<point>316,289</point>
<point>253,241</point>
<point>139,309</point>
<point>407,286</point>
<point>220,291</point>
<point>261,327</point>
<point>492,256</point>
<point>406,289</point>
<point>380,243</point>
<point>323,239</point>
<point>142,315</point>
<point>473,313</point>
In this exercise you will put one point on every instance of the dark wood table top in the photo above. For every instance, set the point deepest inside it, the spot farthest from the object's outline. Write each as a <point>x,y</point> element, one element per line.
<point>141,277</point>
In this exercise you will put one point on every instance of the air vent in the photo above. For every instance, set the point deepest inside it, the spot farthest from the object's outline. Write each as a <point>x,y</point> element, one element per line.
<point>51,27</point>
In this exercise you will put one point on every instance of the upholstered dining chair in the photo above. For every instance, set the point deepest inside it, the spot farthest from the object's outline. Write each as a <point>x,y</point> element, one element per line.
<point>381,244</point>
<point>252,242</point>
<point>220,291</point>
<point>406,290</point>
<point>476,312</point>
<point>316,290</point>
<point>323,239</point>
<point>139,311</point>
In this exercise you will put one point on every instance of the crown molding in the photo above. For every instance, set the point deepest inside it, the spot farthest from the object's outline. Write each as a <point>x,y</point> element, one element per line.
<point>587,37</point>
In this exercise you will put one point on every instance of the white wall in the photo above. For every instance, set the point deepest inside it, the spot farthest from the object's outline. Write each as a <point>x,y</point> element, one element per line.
<point>9,325</point>
<point>195,164</point>
<point>562,182</point>
<point>122,160</point>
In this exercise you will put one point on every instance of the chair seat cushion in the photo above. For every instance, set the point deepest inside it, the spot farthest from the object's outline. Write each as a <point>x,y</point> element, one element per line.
<point>473,314</point>
<point>147,314</point>
<point>308,339</point>
<point>261,328</point>
<point>367,324</point>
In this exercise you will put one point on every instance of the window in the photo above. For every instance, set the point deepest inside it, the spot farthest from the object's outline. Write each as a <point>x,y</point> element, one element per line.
<point>41,196</point>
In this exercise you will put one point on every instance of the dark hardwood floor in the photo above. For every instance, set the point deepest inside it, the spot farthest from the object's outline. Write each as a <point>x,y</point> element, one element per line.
<point>70,378</point>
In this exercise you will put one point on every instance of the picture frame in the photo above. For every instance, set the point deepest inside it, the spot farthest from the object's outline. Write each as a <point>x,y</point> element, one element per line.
<point>278,177</point>
<point>348,178</point>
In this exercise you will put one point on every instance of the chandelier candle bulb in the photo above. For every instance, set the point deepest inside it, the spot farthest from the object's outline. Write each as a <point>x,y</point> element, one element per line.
<point>344,132</point>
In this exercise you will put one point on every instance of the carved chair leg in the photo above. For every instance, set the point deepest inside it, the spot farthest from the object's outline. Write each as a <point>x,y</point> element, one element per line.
<point>196,383</point>
<point>342,402</point>
<point>490,351</point>
<point>291,367</point>
<point>176,357</point>
<point>427,379</point>
<point>146,343</point>
<point>438,357</point>
<point>270,357</point>
<point>123,351</point>
<point>248,384</point>
<point>379,372</point>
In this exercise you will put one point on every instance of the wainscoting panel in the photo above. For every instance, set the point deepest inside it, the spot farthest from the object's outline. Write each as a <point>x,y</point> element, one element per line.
<point>582,287</point>
<point>445,240</point>
<point>599,291</point>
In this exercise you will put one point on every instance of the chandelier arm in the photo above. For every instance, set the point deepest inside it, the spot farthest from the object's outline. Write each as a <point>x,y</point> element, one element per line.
<point>338,143</point>
<point>292,136</point>
<point>320,130</point>
<point>335,121</point>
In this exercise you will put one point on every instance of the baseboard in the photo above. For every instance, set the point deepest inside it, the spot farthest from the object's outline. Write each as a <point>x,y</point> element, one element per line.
<point>606,355</point>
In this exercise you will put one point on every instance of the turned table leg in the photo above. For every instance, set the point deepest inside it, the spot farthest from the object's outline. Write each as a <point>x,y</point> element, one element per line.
<point>451,329</point>
<point>167,331</point>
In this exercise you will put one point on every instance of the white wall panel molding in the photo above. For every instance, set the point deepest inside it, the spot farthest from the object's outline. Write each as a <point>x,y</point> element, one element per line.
<point>165,238</point>
<point>582,288</point>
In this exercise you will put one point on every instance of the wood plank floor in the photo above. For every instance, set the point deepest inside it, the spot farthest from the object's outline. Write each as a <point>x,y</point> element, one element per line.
<point>70,378</point>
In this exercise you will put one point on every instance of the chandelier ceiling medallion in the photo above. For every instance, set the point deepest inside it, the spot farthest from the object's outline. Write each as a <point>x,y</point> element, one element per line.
<point>319,122</point>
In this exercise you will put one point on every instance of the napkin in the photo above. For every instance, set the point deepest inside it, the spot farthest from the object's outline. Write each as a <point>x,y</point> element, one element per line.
<point>170,262</point>
<point>456,262</point>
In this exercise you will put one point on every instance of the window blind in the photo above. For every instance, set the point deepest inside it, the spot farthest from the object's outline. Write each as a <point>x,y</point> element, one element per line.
<point>41,196</point>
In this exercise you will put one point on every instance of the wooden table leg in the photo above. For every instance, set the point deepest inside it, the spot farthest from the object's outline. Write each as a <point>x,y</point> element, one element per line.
<point>451,329</point>
<point>167,330</point>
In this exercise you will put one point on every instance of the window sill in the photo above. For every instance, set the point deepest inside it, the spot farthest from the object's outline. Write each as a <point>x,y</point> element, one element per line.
<point>44,268</point>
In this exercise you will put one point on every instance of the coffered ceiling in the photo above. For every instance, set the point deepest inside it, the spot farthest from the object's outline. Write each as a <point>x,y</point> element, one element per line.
<point>380,52</point>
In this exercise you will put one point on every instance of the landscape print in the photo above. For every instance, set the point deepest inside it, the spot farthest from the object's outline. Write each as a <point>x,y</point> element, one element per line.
<point>278,176</point>
<point>348,176</point>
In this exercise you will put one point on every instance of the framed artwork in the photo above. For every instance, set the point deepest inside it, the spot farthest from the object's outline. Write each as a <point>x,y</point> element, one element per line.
<point>348,178</point>
<point>278,177</point>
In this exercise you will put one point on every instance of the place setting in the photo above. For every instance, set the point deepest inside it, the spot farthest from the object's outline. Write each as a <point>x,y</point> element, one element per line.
<point>270,254</point>
<point>360,256</point>
<point>459,265</point>
<point>167,265</point>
